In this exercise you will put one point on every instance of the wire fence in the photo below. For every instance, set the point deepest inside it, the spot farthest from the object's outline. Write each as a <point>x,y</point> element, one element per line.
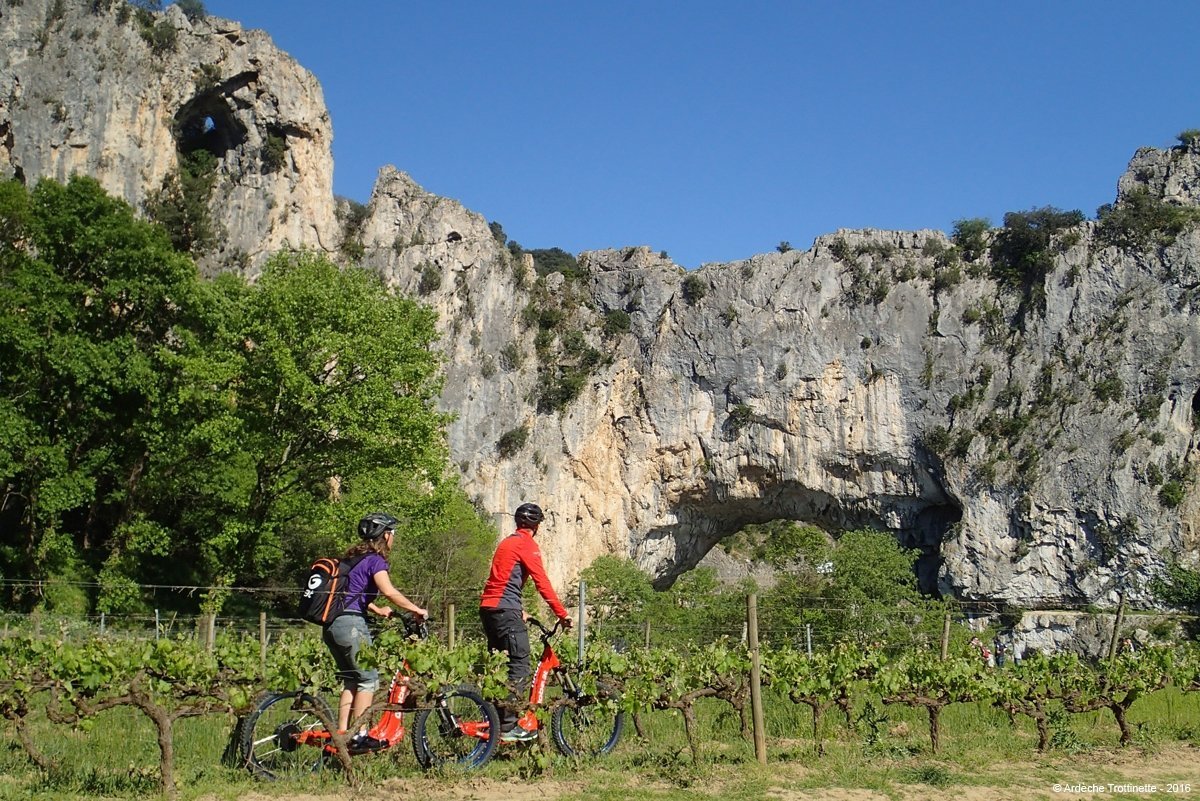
<point>817,625</point>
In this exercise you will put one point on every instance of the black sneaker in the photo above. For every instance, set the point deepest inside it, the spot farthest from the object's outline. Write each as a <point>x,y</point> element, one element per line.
<point>360,743</point>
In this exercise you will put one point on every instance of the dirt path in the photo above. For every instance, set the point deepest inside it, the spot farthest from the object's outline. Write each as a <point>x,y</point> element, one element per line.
<point>1173,771</point>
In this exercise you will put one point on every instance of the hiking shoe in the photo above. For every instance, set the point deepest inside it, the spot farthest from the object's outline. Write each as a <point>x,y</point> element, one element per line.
<point>518,734</point>
<point>364,742</point>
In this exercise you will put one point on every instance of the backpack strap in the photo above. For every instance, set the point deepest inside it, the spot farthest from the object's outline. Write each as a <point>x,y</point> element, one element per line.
<point>332,567</point>
<point>344,569</point>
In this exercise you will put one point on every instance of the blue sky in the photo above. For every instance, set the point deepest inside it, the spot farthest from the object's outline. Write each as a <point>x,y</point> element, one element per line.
<point>715,130</point>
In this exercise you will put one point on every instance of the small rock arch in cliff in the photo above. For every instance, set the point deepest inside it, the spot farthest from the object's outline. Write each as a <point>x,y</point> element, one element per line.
<point>207,123</point>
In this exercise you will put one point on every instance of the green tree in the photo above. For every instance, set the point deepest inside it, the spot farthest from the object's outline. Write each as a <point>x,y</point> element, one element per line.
<point>616,322</point>
<point>853,588</point>
<point>352,215</point>
<point>181,206</point>
<point>498,233</point>
<point>870,568</point>
<point>444,549</point>
<point>783,544</point>
<point>694,289</point>
<point>617,591</point>
<point>274,154</point>
<point>1022,252</point>
<point>91,303</point>
<point>512,441</point>
<point>698,608</point>
<point>970,235</point>
<point>313,385</point>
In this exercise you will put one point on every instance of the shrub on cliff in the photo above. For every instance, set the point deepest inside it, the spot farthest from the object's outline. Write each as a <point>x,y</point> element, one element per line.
<point>556,260</point>
<point>1141,221</point>
<point>1023,251</point>
<point>1179,587</point>
<point>192,9</point>
<point>1189,137</point>
<point>970,235</point>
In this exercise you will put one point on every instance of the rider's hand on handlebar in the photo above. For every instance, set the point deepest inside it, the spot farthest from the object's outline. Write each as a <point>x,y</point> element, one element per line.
<point>421,614</point>
<point>565,622</point>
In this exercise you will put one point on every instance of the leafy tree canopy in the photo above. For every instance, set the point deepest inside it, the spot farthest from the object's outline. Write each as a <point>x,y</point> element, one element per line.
<point>1021,252</point>
<point>159,429</point>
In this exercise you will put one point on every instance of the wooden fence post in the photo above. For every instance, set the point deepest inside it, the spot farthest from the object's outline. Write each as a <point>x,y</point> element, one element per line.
<point>756,706</point>
<point>1116,634</point>
<point>946,637</point>
<point>582,619</point>
<point>262,640</point>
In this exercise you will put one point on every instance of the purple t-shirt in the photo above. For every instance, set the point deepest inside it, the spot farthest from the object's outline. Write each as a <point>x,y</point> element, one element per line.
<point>361,589</point>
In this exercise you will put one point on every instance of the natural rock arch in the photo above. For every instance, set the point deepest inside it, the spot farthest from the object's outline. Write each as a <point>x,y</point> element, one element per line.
<point>705,519</point>
<point>206,122</point>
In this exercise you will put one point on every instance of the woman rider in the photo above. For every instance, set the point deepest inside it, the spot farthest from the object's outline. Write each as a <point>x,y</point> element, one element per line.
<point>348,632</point>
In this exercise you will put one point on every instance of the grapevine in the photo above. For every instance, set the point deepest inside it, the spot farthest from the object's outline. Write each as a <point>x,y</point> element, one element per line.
<point>170,679</point>
<point>922,679</point>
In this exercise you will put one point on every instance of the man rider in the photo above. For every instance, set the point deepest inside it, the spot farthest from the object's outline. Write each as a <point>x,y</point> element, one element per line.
<point>517,559</point>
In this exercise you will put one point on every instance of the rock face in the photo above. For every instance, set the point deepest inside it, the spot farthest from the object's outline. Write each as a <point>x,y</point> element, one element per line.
<point>85,89</point>
<point>857,383</point>
<point>868,381</point>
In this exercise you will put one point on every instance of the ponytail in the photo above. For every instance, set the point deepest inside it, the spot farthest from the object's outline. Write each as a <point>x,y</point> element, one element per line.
<point>378,545</point>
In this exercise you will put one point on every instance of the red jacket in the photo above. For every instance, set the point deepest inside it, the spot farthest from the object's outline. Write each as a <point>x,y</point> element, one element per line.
<point>517,560</point>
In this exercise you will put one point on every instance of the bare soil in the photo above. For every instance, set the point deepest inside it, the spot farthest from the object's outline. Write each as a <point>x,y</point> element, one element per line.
<point>1094,774</point>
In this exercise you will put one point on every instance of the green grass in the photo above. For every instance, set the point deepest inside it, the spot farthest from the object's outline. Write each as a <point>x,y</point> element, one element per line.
<point>117,756</point>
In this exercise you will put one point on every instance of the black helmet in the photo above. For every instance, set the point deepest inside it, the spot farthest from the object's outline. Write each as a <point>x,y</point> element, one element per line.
<point>372,526</point>
<point>528,515</point>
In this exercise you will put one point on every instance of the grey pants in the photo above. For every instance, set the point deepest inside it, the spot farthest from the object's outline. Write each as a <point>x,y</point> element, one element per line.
<point>344,637</point>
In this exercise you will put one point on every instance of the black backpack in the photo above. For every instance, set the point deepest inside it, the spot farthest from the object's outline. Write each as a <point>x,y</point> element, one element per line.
<point>323,596</point>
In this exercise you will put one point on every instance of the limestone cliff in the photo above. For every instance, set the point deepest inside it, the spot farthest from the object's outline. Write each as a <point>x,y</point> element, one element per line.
<point>861,382</point>
<point>94,88</point>
<point>1021,437</point>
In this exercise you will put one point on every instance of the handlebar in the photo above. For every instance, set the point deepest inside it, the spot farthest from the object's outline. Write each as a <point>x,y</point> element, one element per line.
<point>413,628</point>
<point>547,633</point>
